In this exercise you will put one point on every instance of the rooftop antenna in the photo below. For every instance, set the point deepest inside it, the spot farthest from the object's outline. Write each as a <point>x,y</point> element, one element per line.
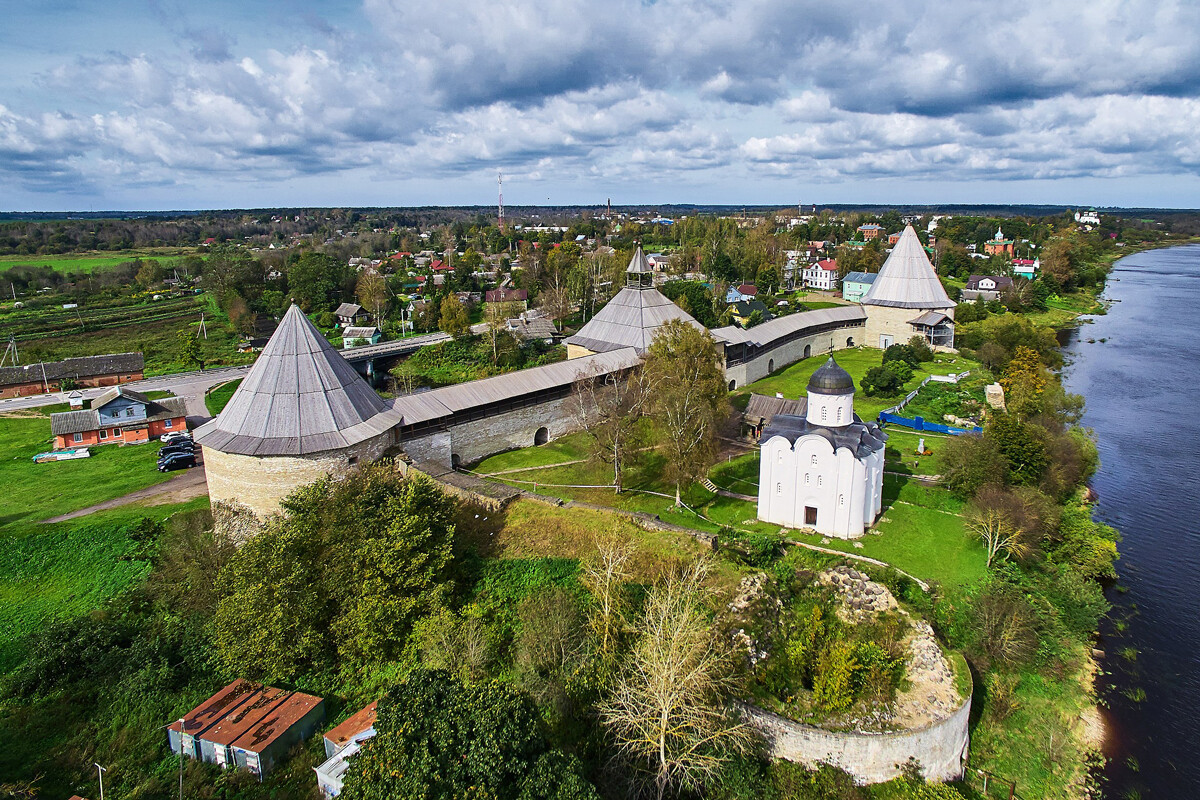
<point>500,198</point>
<point>11,349</point>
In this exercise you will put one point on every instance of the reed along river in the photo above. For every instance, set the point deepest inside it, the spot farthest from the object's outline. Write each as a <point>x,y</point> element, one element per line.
<point>1142,385</point>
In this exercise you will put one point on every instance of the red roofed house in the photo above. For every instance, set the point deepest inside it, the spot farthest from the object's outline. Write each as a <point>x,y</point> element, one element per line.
<point>742,293</point>
<point>821,275</point>
<point>440,266</point>
<point>505,295</point>
<point>119,416</point>
<point>246,726</point>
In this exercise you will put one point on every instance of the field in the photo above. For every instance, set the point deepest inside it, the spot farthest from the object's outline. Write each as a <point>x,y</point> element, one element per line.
<point>53,571</point>
<point>90,262</point>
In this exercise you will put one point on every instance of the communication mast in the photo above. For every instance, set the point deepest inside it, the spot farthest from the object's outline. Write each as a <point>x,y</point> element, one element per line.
<point>500,199</point>
<point>11,350</point>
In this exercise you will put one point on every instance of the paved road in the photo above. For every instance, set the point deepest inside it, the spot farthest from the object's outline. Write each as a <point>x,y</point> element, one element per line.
<point>189,385</point>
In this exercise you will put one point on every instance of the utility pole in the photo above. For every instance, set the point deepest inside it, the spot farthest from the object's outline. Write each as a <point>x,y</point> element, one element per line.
<point>12,348</point>
<point>102,770</point>
<point>181,731</point>
<point>500,200</point>
<point>202,329</point>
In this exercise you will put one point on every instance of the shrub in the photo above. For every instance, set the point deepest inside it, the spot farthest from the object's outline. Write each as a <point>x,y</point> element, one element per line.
<point>920,349</point>
<point>881,382</point>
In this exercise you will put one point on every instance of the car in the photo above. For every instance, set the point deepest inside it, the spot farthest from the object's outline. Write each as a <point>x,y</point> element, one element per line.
<point>176,448</point>
<point>176,461</point>
<point>175,436</point>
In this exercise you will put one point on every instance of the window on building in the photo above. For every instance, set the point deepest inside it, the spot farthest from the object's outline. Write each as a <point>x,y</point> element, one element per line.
<point>818,480</point>
<point>78,437</point>
<point>839,414</point>
<point>116,431</point>
<point>103,434</point>
<point>824,413</point>
<point>812,459</point>
<point>841,499</point>
<point>168,423</point>
<point>778,489</point>
<point>806,477</point>
<point>129,411</point>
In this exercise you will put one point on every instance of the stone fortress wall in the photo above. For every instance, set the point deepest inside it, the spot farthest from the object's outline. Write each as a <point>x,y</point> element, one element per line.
<point>788,353</point>
<point>940,748</point>
<point>261,483</point>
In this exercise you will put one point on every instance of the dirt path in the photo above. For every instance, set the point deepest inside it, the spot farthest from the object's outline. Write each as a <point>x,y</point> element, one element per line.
<point>189,485</point>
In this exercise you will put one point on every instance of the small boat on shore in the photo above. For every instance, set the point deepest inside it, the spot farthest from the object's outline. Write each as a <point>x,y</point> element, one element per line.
<point>67,454</point>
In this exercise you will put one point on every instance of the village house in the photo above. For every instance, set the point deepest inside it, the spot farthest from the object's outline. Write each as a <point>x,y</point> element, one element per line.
<point>742,293</point>
<point>356,336</point>
<point>856,284</point>
<point>83,372</point>
<point>529,327</point>
<point>658,261</point>
<point>1026,268</point>
<point>246,726</point>
<point>742,311</point>
<point>985,287</point>
<point>507,295</point>
<point>119,416</point>
<point>351,314</point>
<point>821,275</point>
<point>893,238</point>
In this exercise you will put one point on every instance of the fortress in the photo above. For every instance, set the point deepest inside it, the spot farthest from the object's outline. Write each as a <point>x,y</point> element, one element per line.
<point>302,412</point>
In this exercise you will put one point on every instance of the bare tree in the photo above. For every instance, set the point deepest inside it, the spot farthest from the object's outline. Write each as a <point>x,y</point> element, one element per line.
<point>372,292</point>
<point>556,300</point>
<point>687,398</point>
<point>668,711</point>
<point>496,316</point>
<point>604,575</point>
<point>609,407</point>
<point>997,533</point>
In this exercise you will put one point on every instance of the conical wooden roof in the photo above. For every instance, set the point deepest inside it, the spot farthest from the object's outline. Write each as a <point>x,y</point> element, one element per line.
<point>907,279</point>
<point>300,397</point>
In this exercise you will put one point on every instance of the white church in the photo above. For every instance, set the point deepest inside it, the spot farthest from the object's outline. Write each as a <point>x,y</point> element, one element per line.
<point>822,469</point>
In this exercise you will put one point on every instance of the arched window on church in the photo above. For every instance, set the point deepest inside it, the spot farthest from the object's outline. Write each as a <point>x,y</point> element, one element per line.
<point>806,477</point>
<point>824,413</point>
<point>778,489</point>
<point>839,414</point>
<point>812,459</point>
<point>818,480</point>
<point>841,499</point>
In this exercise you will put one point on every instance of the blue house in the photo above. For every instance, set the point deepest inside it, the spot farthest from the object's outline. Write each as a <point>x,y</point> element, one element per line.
<point>855,285</point>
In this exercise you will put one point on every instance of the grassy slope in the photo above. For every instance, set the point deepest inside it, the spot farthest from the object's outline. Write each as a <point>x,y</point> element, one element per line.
<point>216,400</point>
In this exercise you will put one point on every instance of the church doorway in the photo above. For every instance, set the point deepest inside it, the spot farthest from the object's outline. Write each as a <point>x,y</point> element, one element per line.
<point>770,366</point>
<point>810,515</point>
<point>807,350</point>
<point>886,341</point>
<point>541,437</point>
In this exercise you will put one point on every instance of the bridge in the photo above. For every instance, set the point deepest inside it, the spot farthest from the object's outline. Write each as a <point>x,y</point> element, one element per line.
<point>399,347</point>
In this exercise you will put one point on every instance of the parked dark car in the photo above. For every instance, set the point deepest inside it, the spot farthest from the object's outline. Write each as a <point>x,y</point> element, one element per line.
<point>176,461</point>
<point>175,436</point>
<point>177,447</point>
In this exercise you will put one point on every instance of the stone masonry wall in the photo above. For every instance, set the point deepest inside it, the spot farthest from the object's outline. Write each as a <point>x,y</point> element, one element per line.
<point>941,748</point>
<point>478,439</point>
<point>261,482</point>
<point>790,353</point>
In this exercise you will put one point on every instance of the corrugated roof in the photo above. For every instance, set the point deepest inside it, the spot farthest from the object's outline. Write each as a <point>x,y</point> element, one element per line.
<point>348,310</point>
<point>763,407</point>
<point>216,707</point>
<point>68,422</point>
<point>907,279</point>
<point>277,722</point>
<point>84,366</point>
<point>859,277</point>
<point>301,396</point>
<point>240,719</point>
<point>358,722</point>
<point>630,320</point>
<point>929,318</point>
<point>119,391</point>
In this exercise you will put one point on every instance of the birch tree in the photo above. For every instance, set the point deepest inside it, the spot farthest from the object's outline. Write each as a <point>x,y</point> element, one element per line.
<point>668,710</point>
<point>604,575</point>
<point>996,532</point>
<point>687,399</point>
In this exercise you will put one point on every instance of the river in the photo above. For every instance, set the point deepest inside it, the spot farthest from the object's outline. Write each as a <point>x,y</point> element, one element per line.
<point>1138,366</point>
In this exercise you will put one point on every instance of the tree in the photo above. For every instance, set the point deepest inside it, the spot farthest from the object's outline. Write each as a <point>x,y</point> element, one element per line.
<point>438,738</point>
<point>230,268</point>
<point>1024,380</point>
<point>372,293</point>
<point>343,574</point>
<point>997,532</point>
<point>969,462</point>
<point>604,575</point>
<point>190,351</point>
<point>453,319</point>
<point>313,279</point>
<point>150,273</point>
<point>496,315</point>
<point>556,300</point>
<point>687,397</point>
<point>608,407</point>
<point>668,710</point>
<point>881,382</point>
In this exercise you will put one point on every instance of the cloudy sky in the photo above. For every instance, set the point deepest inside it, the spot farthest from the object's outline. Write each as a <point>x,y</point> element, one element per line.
<point>160,104</point>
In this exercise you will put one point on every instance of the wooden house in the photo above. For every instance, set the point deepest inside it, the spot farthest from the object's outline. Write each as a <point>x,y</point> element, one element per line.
<point>119,416</point>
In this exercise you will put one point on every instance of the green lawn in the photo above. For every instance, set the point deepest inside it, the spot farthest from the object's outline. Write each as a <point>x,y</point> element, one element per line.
<point>568,448</point>
<point>792,381</point>
<point>216,400</point>
<point>35,492</point>
<point>89,262</point>
<point>919,532</point>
